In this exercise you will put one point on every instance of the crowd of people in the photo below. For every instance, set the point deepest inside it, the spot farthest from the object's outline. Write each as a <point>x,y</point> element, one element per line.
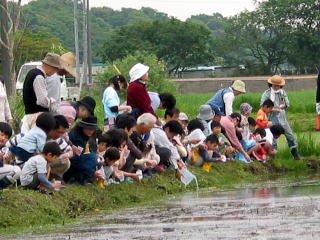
<point>60,142</point>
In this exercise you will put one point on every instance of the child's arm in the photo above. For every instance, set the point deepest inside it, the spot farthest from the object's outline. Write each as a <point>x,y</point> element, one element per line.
<point>204,154</point>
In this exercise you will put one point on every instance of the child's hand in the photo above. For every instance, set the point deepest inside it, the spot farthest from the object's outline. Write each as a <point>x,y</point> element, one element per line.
<point>56,185</point>
<point>64,157</point>
<point>76,150</point>
<point>98,175</point>
<point>282,106</point>
<point>151,163</point>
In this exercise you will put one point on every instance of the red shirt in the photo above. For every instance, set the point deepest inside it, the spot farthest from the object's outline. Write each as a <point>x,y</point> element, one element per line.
<point>138,97</point>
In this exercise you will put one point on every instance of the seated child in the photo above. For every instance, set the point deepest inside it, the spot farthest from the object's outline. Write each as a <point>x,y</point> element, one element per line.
<point>33,141</point>
<point>225,147</point>
<point>252,127</point>
<point>9,174</point>
<point>262,118</point>
<point>35,171</point>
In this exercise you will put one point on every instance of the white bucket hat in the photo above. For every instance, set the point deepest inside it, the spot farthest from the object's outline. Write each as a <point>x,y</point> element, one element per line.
<point>137,71</point>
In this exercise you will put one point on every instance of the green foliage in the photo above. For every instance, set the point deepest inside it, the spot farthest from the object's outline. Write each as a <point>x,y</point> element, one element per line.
<point>158,79</point>
<point>179,44</point>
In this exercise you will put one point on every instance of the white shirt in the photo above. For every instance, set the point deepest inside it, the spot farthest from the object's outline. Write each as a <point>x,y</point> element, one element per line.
<point>155,100</point>
<point>228,99</point>
<point>36,164</point>
<point>269,136</point>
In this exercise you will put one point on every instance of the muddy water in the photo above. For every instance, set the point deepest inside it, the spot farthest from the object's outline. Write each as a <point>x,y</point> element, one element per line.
<point>271,210</point>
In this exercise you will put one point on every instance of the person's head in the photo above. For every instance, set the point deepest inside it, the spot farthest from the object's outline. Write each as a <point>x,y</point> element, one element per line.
<point>126,122</point>
<point>267,106</point>
<point>104,141</point>
<point>167,101</point>
<point>194,124</point>
<point>60,128</point>
<point>215,127</point>
<point>217,117</point>
<point>139,72</point>
<point>236,119</point>
<point>171,114</point>
<point>51,151</point>
<point>245,109</point>
<point>86,107</point>
<point>68,111</point>
<point>138,141</point>
<point>259,133</point>
<point>46,122</point>
<point>183,119</point>
<point>5,133</point>
<point>205,113</point>
<point>51,64</point>
<point>173,128</point>
<point>252,124</point>
<point>238,87</point>
<point>111,155</point>
<point>276,82</point>
<point>145,123</point>
<point>118,82</point>
<point>118,138</point>
<point>212,142</point>
<point>88,126</point>
<point>277,130</point>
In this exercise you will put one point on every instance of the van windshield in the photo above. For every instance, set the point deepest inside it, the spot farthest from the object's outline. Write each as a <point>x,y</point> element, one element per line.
<point>23,72</point>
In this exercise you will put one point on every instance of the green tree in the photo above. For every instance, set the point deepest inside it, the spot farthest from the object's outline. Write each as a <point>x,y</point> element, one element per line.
<point>158,78</point>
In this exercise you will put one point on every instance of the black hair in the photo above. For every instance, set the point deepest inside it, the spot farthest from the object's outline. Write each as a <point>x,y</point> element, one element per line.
<point>6,129</point>
<point>104,138</point>
<point>139,142</point>
<point>52,147</point>
<point>174,127</point>
<point>61,121</point>
<point>215,124</point>
<point>223,130</point>
<point>270,85</point>
<point>277,130</point>
<point>239,135</point>
<point>194,124</point>
<point>46,121</point>
<point>268,103</point>
<point>125,121</point>
<point>117,137</point>
<point>111,154</point>
<point>251,121</point>
<point>115,81</point>
<point>212,138</point>
<point>167,100</point>
<point>236,115</point>
<point>171,112</point>
<point>261,132</point>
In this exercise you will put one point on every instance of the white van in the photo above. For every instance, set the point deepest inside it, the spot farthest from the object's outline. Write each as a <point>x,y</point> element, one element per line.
<point>65,92</point>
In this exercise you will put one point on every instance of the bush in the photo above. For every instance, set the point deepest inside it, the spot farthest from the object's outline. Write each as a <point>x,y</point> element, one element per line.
<point>158,78</point>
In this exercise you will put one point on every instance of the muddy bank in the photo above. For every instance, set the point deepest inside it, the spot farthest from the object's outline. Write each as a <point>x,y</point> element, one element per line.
<point>24,209</point>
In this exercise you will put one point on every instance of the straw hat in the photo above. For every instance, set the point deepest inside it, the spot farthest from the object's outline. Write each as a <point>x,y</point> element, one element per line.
<point>277,80</point>
<point>239,85</point>
<point>137,71</point>
<point>68,62</point>
<point>205,112</point>
<point>52,59</point>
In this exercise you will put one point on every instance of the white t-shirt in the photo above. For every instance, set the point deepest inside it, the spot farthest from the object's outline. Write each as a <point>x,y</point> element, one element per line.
<point>269,136</point>
<point>155,100</point>
<point>228,99</point>
<point>36,164</point>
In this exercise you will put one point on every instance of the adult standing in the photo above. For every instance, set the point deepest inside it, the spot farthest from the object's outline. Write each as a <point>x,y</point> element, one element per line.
<point>5,113</point>
<point>137,95</point>
<point>53,82</point>
<point>222,102</point>
<point>278,96</point>
<point>35,93</point>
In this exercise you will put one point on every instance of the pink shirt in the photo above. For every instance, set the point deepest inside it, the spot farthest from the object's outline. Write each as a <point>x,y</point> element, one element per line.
<point>227,123</point>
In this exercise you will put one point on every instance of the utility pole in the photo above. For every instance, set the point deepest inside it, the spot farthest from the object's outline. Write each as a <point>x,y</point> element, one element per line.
<point>89,44</point>
<point>84,78</point>
<point>76,39</point>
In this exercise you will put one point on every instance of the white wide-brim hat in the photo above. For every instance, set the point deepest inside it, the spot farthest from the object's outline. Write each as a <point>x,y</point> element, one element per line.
<point>137,71</point>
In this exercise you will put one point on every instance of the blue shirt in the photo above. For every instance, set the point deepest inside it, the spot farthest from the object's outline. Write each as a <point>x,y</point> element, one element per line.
<point>110,99</point>
<point>33,141</point>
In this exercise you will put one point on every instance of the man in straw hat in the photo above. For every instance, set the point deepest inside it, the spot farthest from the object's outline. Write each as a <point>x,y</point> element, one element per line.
<point>35,94</point>
<point>278,96</point>
<point>221,103</point>
<point>67,62</point>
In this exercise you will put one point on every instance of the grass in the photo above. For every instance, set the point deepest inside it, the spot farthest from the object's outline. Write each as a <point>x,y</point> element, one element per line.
<point>25,210</point>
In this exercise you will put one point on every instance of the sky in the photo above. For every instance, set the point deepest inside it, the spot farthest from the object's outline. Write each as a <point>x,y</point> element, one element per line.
<point>181,9</point>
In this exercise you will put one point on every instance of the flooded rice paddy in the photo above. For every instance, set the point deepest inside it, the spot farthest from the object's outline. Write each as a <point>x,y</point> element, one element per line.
<point>281,209</point>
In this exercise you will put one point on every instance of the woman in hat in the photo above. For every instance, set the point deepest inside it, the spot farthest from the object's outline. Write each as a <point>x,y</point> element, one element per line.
<point>111,101</point>
<point>205,116</point>
<point>83,164</point>
<point>137,95</point>
<point>278,96</point>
